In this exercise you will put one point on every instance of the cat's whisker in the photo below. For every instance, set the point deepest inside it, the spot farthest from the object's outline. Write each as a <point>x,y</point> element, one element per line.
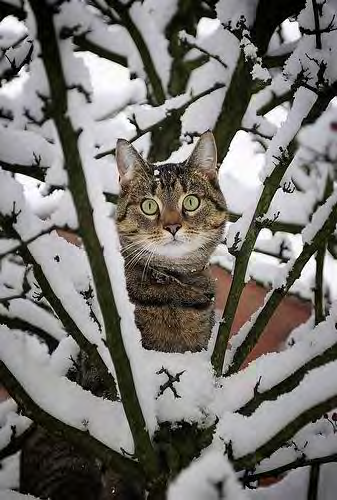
<point>130,263</point>
<point>146,266</point>
<point>137,244</point>
<point>136,258</point>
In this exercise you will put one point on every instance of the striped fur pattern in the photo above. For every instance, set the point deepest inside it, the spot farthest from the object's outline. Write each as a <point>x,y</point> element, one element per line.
<point>166,253</point>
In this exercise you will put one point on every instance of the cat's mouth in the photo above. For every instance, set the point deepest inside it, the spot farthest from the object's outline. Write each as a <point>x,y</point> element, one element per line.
<point>174,242</point>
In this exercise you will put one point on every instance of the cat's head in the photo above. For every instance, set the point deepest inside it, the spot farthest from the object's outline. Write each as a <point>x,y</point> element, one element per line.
<point>173,214</point>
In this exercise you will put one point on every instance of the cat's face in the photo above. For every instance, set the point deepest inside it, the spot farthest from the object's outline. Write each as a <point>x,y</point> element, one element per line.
<point>171,212</point>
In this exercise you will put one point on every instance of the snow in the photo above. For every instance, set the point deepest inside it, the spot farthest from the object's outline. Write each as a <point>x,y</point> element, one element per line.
<point>103,419</point>
<point>318,219</point>
<point>9,478</point>
<point>247,434</point>
<point>304,99</point>
<point>232,10</point>
<point>270,369</point>
<point>208,478</point>
<point>14,495</point>
<point>119,95</point>
<point>11,420</point>
<point>294,485</point>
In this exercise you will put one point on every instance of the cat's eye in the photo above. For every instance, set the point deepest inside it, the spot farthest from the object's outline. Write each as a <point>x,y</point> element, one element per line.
<point>191,202</point>
<point>149,206</point>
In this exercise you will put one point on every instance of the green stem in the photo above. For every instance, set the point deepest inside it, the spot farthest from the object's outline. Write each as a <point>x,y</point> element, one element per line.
<point>278,294</point>
<point>250,460</point>
<point>290,382</point>
<point>77,184</point>
<point>271,185</point>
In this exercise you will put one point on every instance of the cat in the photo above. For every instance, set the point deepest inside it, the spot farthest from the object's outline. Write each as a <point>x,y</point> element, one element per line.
<point>169,218</point>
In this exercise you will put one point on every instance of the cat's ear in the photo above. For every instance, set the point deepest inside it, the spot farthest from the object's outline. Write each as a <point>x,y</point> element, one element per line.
<point>204,156</point>
<point>128,160</point>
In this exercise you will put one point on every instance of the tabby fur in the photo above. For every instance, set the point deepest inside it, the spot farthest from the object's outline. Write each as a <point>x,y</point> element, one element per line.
<point>166,274</point>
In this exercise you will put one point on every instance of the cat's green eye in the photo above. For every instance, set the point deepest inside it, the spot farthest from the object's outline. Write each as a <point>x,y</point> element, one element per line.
<point>191,202</point>
<point>149,206</point>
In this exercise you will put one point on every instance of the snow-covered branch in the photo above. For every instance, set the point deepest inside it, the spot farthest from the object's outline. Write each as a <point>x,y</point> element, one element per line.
<point>317,235</point>
<point>77,183</point>
<point>83,420</point>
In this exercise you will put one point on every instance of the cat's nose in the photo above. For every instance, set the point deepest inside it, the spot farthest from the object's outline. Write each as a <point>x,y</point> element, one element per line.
<point>172,228</point>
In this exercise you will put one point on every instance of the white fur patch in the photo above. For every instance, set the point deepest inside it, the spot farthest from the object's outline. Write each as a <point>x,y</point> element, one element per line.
<point>180,247</point>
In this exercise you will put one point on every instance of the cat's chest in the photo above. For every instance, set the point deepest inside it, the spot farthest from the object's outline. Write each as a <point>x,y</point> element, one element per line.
<point>162,288</point>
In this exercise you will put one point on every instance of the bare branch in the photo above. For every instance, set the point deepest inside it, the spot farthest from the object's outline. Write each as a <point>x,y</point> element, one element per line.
<point>278,471</point>
<point>177,112</point>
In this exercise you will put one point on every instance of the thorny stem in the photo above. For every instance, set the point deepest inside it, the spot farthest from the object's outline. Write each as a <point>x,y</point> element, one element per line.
<point>280,438</point>
<point>177,112</point>
<point>77,183</point>
<point>238,282</point>
<point>300,462</point>
<point>291,382</point>
<point>278,294</point>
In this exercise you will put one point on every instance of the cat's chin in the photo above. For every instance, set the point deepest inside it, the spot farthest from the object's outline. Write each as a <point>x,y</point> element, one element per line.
<point>176,249</point>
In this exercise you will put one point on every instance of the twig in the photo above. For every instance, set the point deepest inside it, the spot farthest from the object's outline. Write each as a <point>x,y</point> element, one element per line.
<point>318,291</point>
<point>290,382</point>
<point>176,111</point>
<point>238,282</point>
<point>278,293</point>
<point>158,95</point>
<point>8,9</point>
<point>203,51</point>
<point>276,100</point>
<point>83,43</point>
<point>317,27</point>
<point>68,323</point>
<point>28,241</point>
<point>16,442</point>
<point>278,471</point>
<point>36,171</point>
<point>20,324</point>
<point>250,460</point>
